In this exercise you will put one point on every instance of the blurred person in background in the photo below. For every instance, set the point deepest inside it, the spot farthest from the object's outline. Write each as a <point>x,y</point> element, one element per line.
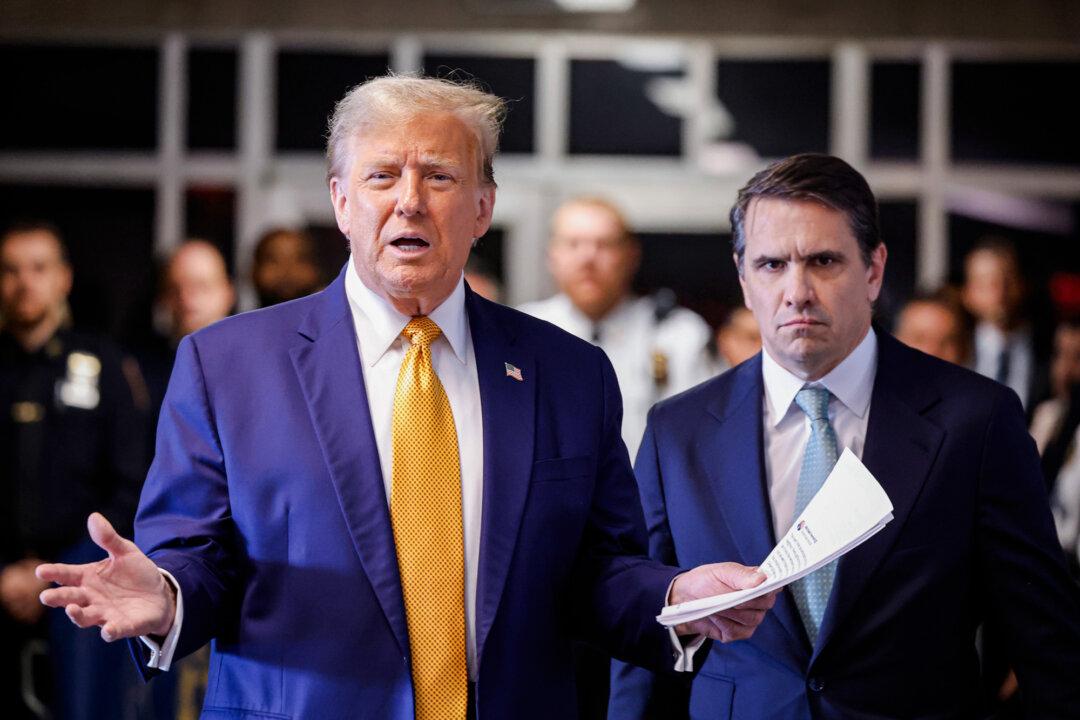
<point>71,440</point>
<point>1055,427</point>
<point>482,279</point>
<point>195,292</point>
<point>994,293</point>
<point>285,266</point>
<point>656,347</point>
<point>738,338</point>
<point>937,324</point>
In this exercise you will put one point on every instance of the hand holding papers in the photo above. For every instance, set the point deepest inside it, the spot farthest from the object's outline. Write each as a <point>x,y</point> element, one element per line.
<point>850,507</point>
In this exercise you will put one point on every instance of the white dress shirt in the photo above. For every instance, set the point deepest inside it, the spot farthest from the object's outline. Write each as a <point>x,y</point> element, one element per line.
<point>787,427</point>
<point>989,344</point>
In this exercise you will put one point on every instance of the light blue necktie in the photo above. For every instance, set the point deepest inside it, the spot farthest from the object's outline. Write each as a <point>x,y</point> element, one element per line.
<point>812,592</point>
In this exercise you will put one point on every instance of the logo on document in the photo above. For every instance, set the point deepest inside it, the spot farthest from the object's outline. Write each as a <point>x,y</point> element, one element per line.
<point>803,529</point>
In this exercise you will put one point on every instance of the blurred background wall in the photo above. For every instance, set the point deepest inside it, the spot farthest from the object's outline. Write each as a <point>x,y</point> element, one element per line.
<point>133,125</point>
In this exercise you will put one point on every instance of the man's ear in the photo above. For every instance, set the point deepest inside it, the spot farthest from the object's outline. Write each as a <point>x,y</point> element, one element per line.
<point>339,199</point>
<point>875,273</point>
<point>742,280</point>
<point>485,209</point>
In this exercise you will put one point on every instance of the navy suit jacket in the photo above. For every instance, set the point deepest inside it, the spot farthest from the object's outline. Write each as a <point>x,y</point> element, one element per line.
<point>971,538</point>
<point>266,502</point>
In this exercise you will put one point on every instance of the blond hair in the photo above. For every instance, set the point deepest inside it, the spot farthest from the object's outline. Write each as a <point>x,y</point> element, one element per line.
<point>397,98</point>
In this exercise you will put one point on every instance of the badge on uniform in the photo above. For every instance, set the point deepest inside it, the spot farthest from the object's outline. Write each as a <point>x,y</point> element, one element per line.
<point>79,388</point>
<point>513,371</point>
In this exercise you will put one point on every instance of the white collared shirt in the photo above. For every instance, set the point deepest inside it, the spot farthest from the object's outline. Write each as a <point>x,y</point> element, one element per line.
<point>382,350</point>
<point>990,342</point>
<point>787,427</point>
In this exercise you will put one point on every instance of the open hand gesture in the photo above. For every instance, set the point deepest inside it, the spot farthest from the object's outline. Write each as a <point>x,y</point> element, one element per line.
<point>124,594</point>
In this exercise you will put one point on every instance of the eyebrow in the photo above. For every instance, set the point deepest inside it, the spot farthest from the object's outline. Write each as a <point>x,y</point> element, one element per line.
<point>829,254</point>
<point>761,259</point>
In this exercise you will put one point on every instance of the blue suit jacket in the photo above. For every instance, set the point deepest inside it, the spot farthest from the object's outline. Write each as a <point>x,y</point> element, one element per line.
<point>266,502</point>
<point>972,538</point>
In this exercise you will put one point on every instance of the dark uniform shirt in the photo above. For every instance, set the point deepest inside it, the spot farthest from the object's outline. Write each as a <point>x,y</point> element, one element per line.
<point>72,441</point>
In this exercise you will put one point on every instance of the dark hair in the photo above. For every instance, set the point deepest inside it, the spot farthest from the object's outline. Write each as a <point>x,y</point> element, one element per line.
<point>998,246</point>
<point>307,244</point>
<point>25,227</point>
<point>821,178</point>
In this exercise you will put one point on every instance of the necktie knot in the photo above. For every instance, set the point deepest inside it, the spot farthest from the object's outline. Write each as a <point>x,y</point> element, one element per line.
<point>814,401</point>
<point>422,331</point>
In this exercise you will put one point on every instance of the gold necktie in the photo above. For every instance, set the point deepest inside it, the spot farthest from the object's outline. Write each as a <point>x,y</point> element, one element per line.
<point>425,510</point>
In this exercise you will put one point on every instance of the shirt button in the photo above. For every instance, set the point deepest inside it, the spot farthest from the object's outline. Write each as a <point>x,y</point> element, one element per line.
<point>816,684</point>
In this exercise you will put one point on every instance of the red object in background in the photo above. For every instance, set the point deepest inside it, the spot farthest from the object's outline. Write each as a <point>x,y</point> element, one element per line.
<point>1065,293</point>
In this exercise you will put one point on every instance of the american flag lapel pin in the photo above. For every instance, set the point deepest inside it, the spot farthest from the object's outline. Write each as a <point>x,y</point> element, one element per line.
<point>513,371</point>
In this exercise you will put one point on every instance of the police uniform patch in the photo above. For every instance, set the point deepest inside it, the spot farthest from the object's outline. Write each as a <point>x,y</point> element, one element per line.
<point>79,388</point>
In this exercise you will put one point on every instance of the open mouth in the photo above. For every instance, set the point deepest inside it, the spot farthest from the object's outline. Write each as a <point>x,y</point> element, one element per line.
<point>410,244</point>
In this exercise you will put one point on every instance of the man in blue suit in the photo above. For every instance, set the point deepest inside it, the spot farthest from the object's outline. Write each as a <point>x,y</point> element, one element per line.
<point>393,499</point>
<point>889,630</point>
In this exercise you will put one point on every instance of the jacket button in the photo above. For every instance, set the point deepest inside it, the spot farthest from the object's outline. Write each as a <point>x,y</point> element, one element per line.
<point>816,684</point>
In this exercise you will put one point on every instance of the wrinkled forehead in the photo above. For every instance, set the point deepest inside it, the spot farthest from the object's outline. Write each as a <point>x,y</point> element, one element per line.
<point>36,244</point>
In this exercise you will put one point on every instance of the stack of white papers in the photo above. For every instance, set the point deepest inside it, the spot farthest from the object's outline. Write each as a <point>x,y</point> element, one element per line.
<point>848,509</point>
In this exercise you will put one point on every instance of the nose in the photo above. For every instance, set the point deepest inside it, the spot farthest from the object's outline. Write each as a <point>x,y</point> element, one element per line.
<point>410,200</point>
<point>799,289</point>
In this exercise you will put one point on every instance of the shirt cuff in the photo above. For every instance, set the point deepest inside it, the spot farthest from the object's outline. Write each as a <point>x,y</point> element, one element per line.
<point>161,655</point>
<point>684,653</point>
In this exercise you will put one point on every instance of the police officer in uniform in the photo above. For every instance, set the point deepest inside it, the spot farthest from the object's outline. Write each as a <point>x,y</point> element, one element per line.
<point>656,347</point>
<point>72,440</point>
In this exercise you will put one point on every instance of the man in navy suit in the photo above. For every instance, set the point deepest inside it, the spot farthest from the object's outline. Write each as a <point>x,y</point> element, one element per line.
<point>889,631</point>
<point>270,518</point>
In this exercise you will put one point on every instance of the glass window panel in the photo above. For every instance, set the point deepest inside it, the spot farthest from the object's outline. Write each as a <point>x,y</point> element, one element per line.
<point>895,90</point>
<point>308,86</point>
<point>59,97</point>
<point>696,266</point>
<point>1016,112</point>
<point>211,111</point>
<point>511,78</point>
<point>780,107</point>
<point>611,113</point>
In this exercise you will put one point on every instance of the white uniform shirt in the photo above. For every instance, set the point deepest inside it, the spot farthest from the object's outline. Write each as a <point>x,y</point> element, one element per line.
<point>631,337</point>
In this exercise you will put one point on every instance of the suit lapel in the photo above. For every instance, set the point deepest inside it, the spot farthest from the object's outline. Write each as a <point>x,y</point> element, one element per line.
<point>901,446</point>
<point>508,408</point>
<point>331,376</point>
<point>736,471</point>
